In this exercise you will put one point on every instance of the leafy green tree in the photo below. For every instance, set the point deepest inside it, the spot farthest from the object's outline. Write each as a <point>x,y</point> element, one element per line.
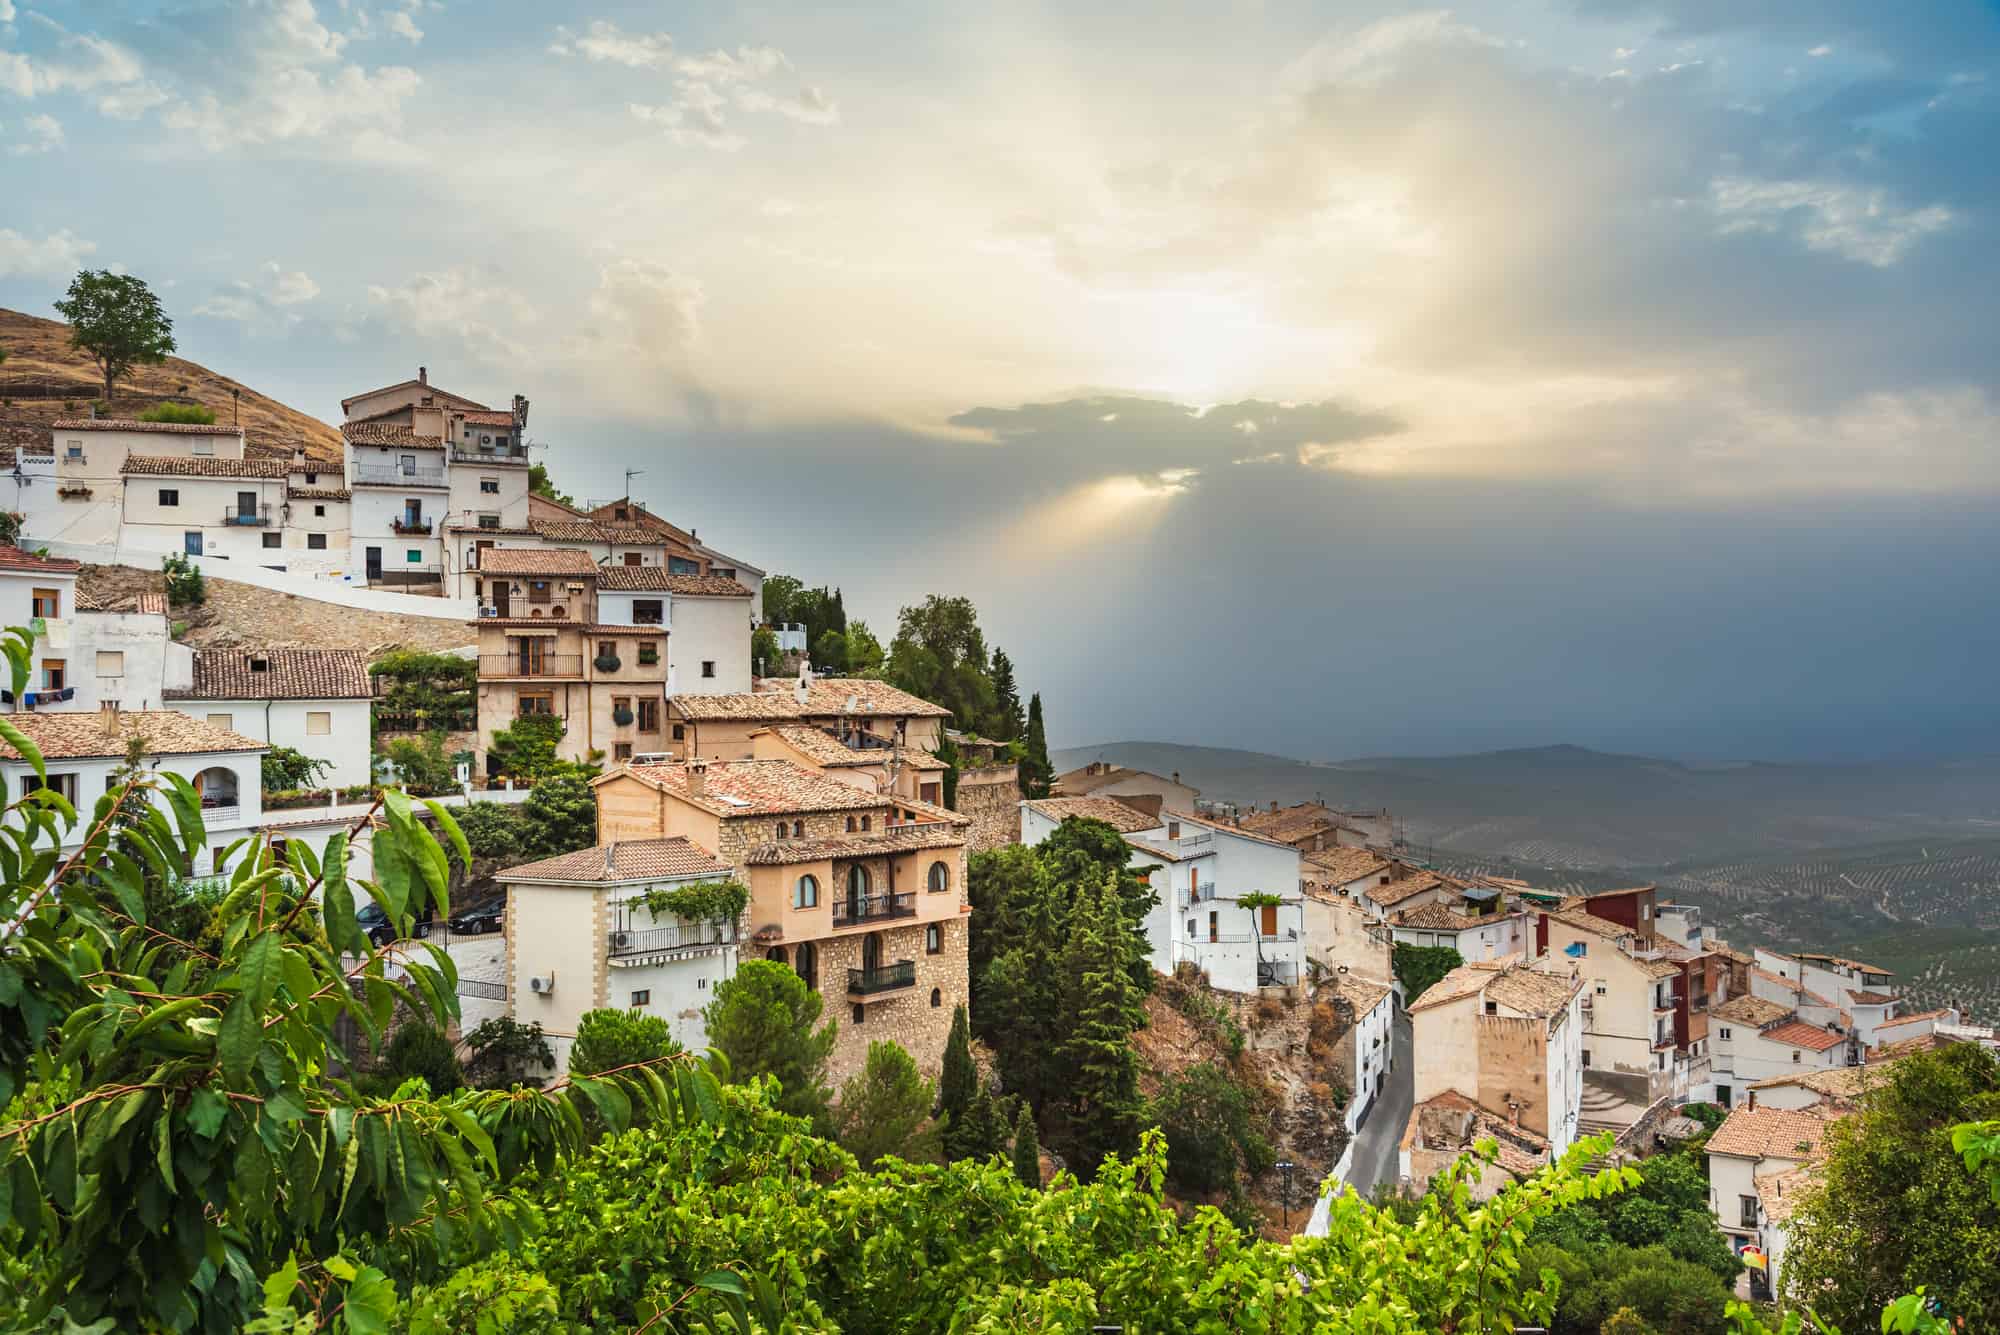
<point>418,1049</point>
<point>185,585</point>
<point>561,812</point>
<point>764,652</point>
<point>286,769</point>
<point>1027,1148</point>
<point>525,750</point>
<point>1037,776</point>
<point>423,690</point>
<point>423,765</point>
<point>1895,1208</point>
<point>117,320</point>
<point>541,484</point>
<point>1419,967</point>
<point>958,1081</point>
<point>504,1053</point>
<point>1206,1117</point>
<point>885,1109</point>
<point>780,592</point>
<point>864,651</point>
<point>985,1131</point>
<point>1660,1291</point>
<point>939,654</point>
<point>1009,722</point>
<point>496,833</point>
<point>762,1021</point>
<point>609,1039</point>
<point>1102,1107</point>
<point>830,651</point>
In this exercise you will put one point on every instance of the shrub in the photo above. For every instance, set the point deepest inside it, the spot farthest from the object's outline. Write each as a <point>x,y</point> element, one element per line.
<point>762,1021</point>
<point>189,414</point>
<point>608,1039</point>
<point>885,1110</point>
<point>422,764</point>
<point>419,1049</point>
<point>1206,1117</point>
<point>506,1053</point>
<point>290,770</point>
<point>185,585</point>
<point>495,832</point>
<point>562,814</point>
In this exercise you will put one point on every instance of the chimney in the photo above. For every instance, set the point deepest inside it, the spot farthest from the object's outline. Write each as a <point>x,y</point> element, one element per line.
<point>423,375</point>
<point>1177,776</point>
<point>1753,1099</point>
<point>697,778</point>
<point>1274,806</point>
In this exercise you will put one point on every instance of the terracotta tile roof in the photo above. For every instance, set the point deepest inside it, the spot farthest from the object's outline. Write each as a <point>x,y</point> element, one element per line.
<point>567,530</point>
<point>84,736</point>
<point>1532,992</point>
<point>1655,968</point>
<point>1164,851</point>
<point>86,601</point>
<point>1361,993</point>
<point>1913,1018</point>
<point>626,860</point>
<point>1339,866</point>
<point>1444,918</point>
<point>1856,965</point>
<point>1464,981</point>
<point>1225,827</point>
<point>1586,921</point>
<point>487,418</point>
<point>1799,1034</point>
<point>1750,1010</point>
<point>1903,1047</point>
<point>132,424</point>
<point>1394,893</point>
<point>490,529</point>
<point>740,706</point>
<point>1124,819</point>
<point>900,839</point>
<point>188,465</point>
<point>1297,821</point>
<point>13,558</point>
<point>154,603</point>
<point>757,788</point>
<point>1843,1083</point>
<point>286,674</point>
<point>1780,1193</point>
<point>1769,1133</point>
<point>425,385</point>
<point>319,493</point>
<point>1870,999</point>
<point>1080,782</point>
<point>645,579</point>
<point>828,697</point>
<point>822,747</point>
<point>550,624</point>
<point>388,433</point>
<point>536,561</point>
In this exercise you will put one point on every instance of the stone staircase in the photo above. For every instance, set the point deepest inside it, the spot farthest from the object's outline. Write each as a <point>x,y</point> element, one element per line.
<point>1601,1110</point>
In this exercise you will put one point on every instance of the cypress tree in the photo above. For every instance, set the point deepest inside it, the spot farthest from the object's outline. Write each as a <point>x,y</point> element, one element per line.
<point>1104,1106</point>
<point>1027,1149</point>
<point>1008,723</point>
<point>1036,773</point>
<point>958,1083</point>
<point>985,1132</point>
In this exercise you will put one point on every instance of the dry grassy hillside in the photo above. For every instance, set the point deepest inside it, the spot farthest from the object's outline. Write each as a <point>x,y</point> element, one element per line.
<point>243,615</point>
<point>44,379</point>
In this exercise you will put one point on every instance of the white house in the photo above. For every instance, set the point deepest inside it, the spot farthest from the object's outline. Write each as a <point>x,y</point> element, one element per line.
<point>706,618</point>
<point>1506,1035</point>
<point>1372,1042</point>
<point>1478,924</point>
<point>589,929</point>
<point>39,593</point>
<point>81,751</point>
<point>1758,1161</point>
<point>123,652</point>
<point>313,700</point>
<point>1752,1038</point>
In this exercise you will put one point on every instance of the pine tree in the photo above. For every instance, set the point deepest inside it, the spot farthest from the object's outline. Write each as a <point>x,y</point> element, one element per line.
<point>958,1083</point>
<point>1036,773</point>
<point>1104,1106</point>
<point>1009,722</point>
<point>985,1132</point>
<point>1027,1149</point>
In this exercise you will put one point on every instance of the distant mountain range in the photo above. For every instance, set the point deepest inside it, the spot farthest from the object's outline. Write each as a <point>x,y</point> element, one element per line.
<point>1570,807</point>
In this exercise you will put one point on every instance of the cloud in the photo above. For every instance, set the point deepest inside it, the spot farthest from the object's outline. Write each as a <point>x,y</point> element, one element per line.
<point>403,25</point>
<point>705,86</point>
<point>73,62</point>
<point>809,105</point>
<point>696,117</point>
<point>489,319</point>
<point>604,41</point>
<point>1858,224</point>
<point>53,256</point>
<point>37,134</point>
<point>264,300</point>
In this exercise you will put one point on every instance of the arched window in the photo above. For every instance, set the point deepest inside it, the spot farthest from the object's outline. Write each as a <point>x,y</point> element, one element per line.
<point>798,829</point>
<point>937,998</point>
<point>781,829</point>
<point>805,895</point>
<point>940,878</point>
<point>776,954</point>
<point>933,938</point>
<point>807,966</point>
<point>850,825</point>
<point>857,880</point>
<point>217,787</point>
<point>871,952</point>
<point>864,822</point>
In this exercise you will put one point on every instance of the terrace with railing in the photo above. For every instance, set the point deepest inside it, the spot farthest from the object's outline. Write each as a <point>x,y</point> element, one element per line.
<point>659,940</point>
<point>882,978</point>
<point>849,910</point>
<point>390,475</point>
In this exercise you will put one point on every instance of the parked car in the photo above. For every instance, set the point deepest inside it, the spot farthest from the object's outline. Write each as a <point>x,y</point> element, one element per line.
<point>381,932</point>
<point>488,915</point>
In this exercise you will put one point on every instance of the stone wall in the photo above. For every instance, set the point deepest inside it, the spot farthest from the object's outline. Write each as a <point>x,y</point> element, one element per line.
<point>911,1018</point>
<point>1513,1062</point>
<point>991,796</point>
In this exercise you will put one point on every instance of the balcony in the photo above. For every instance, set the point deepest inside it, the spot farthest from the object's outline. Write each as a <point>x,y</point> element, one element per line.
<point>661,940</point>
<point>217,814</point>
<point>849,910</point>
<point>538,665</point>
<point>408,573</point>
<point>411,526</point>
<point>238,517</point>
<point>496,454</point>
<point>377,475</point>
<point>883,980</point>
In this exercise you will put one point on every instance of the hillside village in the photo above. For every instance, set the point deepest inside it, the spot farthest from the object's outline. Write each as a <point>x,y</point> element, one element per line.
<point>1396,1015</point>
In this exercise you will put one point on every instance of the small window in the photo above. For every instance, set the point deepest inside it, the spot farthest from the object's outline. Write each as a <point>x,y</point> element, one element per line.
<point>933,939</point>
<point>1723,1034</point>
<point>620,513</point>
<point>937,997</point>
<point>649,716</point>
<point>805,895</point>
<point>851,825</point>
<point>319,512</point>
<point>1795,1054</point>
<point>859,1012</point>
<point>48,603</point>
<point>649,612</point>
<point>490,485</point>
<point>489,521</point>
<point>110,663</point>
<point>74,449</point>
<point>413,556</point>
<point>864,824</point>
<point>781,829</point>
<point>621,750</point>
<point>798,829</point>
<point>538,703</point>
<point>680,732</point>
<point>649,653</point>
<point>1746,1211</point>
<point>940,876</point>
<point>1173,829</point>
<point>55,674</point>
<point>642,997</point>
<point>204,445</point>
<point>607,648</point>
<point>170,496</point>
<point>312,479</point>
<point>1492,1008</point>
<point>319,723</point>
<point>316,541</point>
<point>273,540</point>
<point>708,667</point>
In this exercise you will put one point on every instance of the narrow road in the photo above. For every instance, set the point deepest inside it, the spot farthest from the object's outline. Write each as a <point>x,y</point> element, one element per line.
<point>1375,1144</point>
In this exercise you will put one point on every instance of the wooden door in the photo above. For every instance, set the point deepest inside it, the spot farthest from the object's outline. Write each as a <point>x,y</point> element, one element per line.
<point>1269,927</point>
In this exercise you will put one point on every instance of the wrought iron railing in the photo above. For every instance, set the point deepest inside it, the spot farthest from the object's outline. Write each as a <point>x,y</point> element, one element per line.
<point>882,978</point>
<point>848,909</point>
<point>238,517</point>
<point>654,939</point>
<point>378,476</point>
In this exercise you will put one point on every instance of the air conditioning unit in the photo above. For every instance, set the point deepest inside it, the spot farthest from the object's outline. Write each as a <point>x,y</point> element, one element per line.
<point>620,940</point>
<point>488,610</point>
<point>542,985</point>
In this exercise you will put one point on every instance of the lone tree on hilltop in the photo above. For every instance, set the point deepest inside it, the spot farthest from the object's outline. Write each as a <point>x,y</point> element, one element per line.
<point>117,320</point>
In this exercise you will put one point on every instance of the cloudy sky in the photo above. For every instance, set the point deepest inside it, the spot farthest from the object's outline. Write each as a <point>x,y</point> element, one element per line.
<point>1328,379</point>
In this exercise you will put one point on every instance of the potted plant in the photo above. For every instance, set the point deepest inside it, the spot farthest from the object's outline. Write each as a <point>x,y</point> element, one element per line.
<point>622,717</point>
<point>607,662</point>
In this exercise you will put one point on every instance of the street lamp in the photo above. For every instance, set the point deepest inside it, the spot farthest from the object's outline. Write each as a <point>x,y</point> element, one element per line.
<point>1285,1166</point>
